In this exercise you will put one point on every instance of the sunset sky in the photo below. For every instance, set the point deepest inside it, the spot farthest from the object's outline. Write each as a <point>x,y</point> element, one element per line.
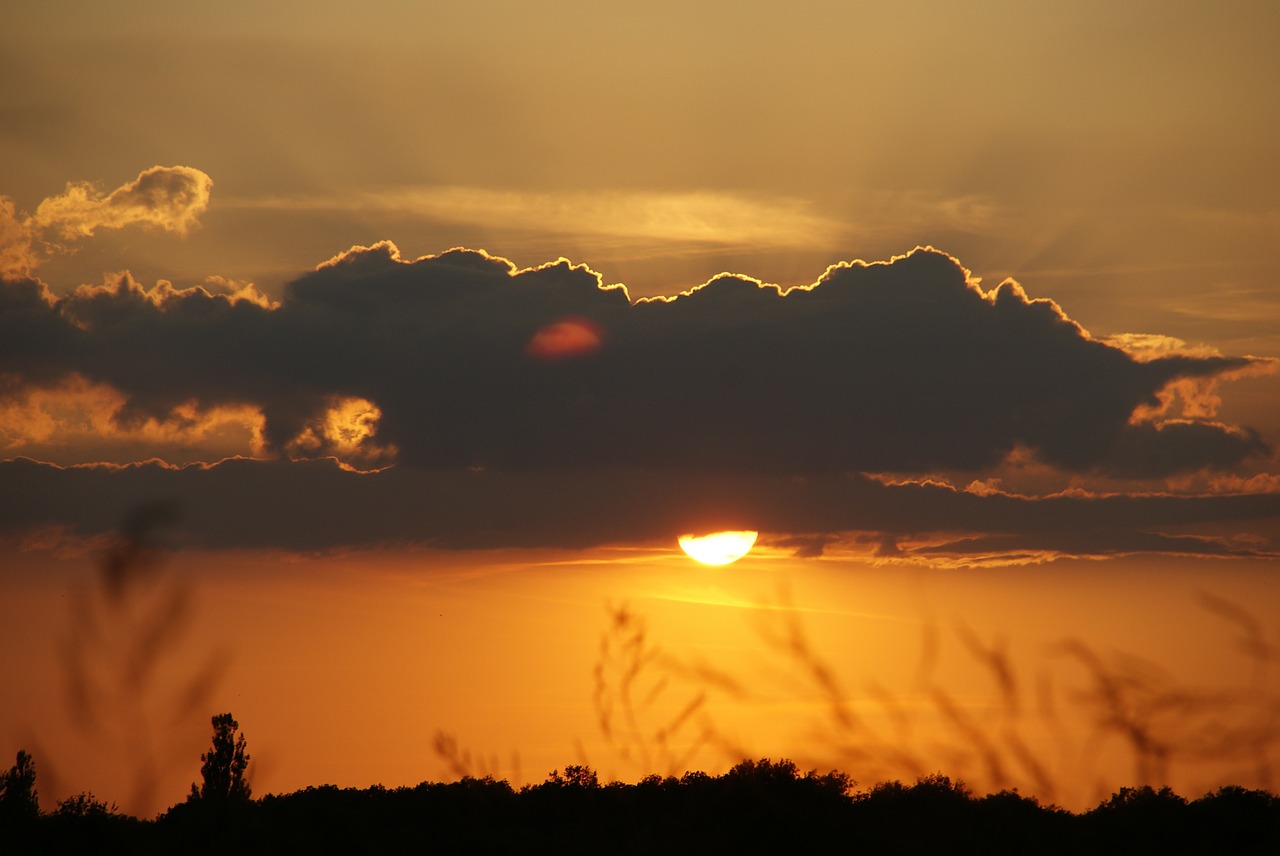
<point>399,342</point>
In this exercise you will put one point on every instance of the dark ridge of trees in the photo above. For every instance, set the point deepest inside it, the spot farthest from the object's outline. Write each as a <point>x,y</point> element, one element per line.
<point>758,806</point>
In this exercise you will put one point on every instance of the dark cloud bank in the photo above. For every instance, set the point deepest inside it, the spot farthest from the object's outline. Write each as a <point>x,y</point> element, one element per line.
<point>731,405</point>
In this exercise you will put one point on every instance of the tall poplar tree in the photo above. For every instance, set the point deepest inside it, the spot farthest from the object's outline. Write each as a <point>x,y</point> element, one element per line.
<point>223,767</point>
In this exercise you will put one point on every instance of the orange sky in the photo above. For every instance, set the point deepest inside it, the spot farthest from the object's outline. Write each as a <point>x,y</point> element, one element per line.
<point>410,483</point>
<point>350,670</point>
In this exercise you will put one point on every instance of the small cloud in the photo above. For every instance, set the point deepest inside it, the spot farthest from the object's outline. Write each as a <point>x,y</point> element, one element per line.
<point>805,546</point>
<point>169,198</point>
<point>76,419</point>
<point>1150,346</point>
<point>345,431</point>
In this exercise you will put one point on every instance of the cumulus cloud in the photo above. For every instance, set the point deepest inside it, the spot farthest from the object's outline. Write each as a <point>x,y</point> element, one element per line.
<point>906,366</point>
<point>461,365</point>
<point>170,198</point>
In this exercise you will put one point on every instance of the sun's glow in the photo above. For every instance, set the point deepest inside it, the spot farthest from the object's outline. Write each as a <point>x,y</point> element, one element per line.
<point>719,548</point>
<point>564,339</point>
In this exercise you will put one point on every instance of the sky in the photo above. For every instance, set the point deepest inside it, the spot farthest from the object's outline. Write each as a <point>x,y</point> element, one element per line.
<point>361,365</point>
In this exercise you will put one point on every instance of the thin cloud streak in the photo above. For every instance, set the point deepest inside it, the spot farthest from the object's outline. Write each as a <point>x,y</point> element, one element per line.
<point>622,218</point>
<point>310,506</point>
<point>687,216</point>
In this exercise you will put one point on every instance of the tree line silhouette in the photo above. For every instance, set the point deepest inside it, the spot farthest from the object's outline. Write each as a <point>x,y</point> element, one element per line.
<point>757,806</point>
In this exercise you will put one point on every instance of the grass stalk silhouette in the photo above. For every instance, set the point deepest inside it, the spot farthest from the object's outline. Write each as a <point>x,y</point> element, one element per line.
<point>1016,738</point>
<point>632,678</point>
<point>122,632</point>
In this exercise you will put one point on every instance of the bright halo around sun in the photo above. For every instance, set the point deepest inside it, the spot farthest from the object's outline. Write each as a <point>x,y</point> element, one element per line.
<point>718,548</point>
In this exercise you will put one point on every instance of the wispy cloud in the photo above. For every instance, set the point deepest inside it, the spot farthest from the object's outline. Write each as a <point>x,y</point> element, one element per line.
<point>682,216</point>
<point>318,505</point>
<point>168,198</point>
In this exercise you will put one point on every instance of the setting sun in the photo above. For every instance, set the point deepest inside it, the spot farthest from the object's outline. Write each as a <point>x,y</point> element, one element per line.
<point>718,548</point>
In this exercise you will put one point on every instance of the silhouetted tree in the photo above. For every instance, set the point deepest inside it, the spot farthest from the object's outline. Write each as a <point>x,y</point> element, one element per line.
<point>575,776</point>
<point>1142,820</point>
<point>18,799</point>
<point>224,765</point>
<point>581,776</point>
<point>84,804</point>
<point>1237,820</point>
